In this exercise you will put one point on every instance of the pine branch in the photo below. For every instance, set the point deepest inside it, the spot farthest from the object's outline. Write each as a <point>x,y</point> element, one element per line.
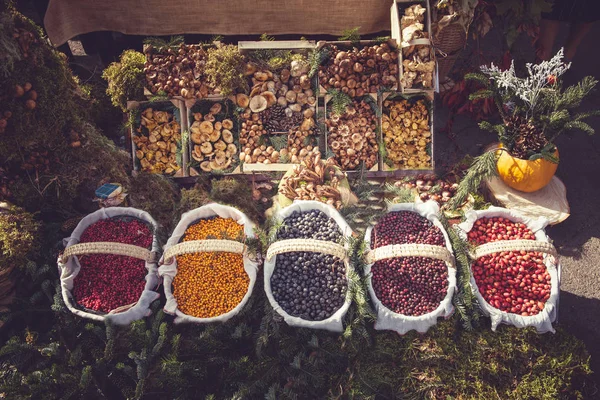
<point>316,58</point>
<point>479,78</point>
<point>582,126</point>
<point>483,167</point>
<point>586,115</point>
<point>482,94</point>
<point>572,96</point>
<point>351,35</point>
<point>339,101</point>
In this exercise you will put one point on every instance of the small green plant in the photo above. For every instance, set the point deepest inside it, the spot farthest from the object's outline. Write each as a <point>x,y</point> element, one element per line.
<point>225,68</point>
<point>351,35</point>
<point>126,78</point>
<point>339,101</point>
<point>18,231</point>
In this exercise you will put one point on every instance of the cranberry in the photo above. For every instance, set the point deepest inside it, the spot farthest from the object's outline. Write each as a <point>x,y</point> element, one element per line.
<point>107,281</point>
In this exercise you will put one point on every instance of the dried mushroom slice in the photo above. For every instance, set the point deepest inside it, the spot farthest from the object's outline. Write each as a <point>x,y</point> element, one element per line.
<point>227,136</point>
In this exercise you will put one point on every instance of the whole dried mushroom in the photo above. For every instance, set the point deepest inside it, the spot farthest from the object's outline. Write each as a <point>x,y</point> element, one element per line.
<point>412,24</point>
<point>352,136</point>
<point>406,133</point>
<point>360,71</point>
<point>212,142</point>
<point>156,142</point>
<point>313,179</point>
<point>177,71</point>
<point>282,97</point>
<point>417,66</point>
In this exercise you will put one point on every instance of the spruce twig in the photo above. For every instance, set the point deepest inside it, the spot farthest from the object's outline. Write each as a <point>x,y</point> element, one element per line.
<point>483,167</point>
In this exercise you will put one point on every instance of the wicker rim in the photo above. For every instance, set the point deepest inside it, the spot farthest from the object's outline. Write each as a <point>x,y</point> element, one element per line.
<point>120,249</point>
<point>515,245</point>
<point>410,250</point>
<point>311,245</point>
<point>203,246</point>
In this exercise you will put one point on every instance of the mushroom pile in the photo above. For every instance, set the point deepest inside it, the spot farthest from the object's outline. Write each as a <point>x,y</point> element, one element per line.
<point>253,151</point>
<point>177,71</point>
<point>412,24</point>
<point>285,99</point>
<point>157,150</point>
<point>313,179</point>
<point>406,133</point>
<point>417,66</point>
<point>352,136</point>
<point>213,141</point>
<point>358,72</point>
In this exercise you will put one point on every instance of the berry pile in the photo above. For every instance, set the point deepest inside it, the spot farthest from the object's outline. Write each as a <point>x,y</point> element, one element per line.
<point>408,285</point>
<point>107,281</point>
<point>512,281</point>
<point>309,285</point>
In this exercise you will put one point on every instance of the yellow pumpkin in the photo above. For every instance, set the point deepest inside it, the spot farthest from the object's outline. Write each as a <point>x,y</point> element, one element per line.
<point>524,175</point>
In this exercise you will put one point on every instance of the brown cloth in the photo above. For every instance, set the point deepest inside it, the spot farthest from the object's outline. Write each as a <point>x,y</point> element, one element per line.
<point>68,18</point>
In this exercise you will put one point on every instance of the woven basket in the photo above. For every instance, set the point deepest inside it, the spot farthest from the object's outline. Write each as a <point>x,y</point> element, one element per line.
<point>449,44</point>
<point>543,320</point>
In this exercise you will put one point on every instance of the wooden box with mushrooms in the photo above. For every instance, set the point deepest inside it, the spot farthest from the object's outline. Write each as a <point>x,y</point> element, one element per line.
<point>213,136</point>
<point>411,29</point>
<point>352,135</point>
<point>407,132</point>
<point>359,70</point>
<point>177,71</point>
<point>156,139</point>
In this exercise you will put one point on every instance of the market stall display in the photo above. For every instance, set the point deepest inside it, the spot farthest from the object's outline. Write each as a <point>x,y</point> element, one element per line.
<point>515,272</point>
<point>306,268</point>
<point>108,270</point>
<point>411,266</point>
<point>207,273</point>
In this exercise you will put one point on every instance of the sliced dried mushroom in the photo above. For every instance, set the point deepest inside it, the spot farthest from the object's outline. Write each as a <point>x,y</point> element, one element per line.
<point>206,148</point>
<point>227,124</point>
<point>216,108</point>
<point>220,145</point>
<point>206,127</point>
<point>227,136</point>
<point>214,136</point>
<point>242,100</point>
<point>197,138</point>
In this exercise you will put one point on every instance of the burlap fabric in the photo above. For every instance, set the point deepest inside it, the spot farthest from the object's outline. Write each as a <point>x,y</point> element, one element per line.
<point>68,18</point>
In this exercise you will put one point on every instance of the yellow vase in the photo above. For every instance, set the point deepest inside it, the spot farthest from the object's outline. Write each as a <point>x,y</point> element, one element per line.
<point>525,175</point>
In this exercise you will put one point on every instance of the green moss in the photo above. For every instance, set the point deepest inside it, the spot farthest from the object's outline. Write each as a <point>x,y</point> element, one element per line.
<point>126,78</point>
<point>18,230</point>
<point>157,195</point>
<point>225,68</point>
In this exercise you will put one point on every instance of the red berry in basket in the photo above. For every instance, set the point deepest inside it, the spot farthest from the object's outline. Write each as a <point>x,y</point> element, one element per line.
<point>107,281</point>
<point>517,282</point>
<point>408,285</point>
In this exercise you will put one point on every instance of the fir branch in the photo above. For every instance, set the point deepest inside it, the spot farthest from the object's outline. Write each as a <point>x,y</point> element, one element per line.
<point>316,58</point>
<point>582,126</point>
<point>479,78</point>
<point>482,94</point>
<point>351,35</point>
<point>339,101</point>
<point>572,96</point>
<point>159,43</point>
<point>401,194</point>
<point>483,167</point>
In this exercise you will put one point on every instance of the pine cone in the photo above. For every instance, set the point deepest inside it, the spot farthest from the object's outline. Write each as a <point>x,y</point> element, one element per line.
<point>528,138</point>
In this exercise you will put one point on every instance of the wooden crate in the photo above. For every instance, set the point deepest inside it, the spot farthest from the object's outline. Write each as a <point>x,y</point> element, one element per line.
<point>361,43</point>
<point>429,97</point>
<point>203,106</point>
<point>296,46</point>
<point>189,102</point>
<point>179,113</point>
<point>374,97</point>
<point>396,12</point>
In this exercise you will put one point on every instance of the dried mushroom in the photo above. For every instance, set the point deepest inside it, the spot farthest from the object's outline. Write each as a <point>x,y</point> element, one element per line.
<point>407,133</point>
<point>313,179</point>
<point>352,136</point>
<point>211,138</point>
<point>177,71</point>
<point>418,66</point>
<point>357,72</point>
<point>156,142</point>
<point>412,24</point>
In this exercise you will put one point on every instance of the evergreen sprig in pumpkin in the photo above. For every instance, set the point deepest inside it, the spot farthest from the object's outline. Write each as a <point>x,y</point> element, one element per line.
<point>535,109</point>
